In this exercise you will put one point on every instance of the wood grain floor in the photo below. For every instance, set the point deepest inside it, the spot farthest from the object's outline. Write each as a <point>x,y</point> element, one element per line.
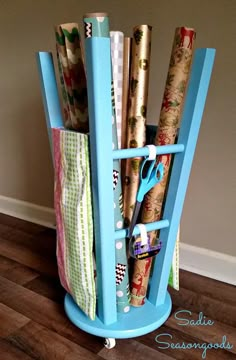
<point>33,324</point>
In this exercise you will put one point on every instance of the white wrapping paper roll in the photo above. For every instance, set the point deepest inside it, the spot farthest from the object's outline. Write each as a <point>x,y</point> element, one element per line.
<point>117,49</point>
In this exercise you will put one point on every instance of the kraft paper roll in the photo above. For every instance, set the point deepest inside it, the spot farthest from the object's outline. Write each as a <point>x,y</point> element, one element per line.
<point>125,96</point>
<point>177,78</point>
<point>137,112</point>
<point>117,50</point>
<point>174,272</point>
<point>97,24</point>
<point>74,79</point>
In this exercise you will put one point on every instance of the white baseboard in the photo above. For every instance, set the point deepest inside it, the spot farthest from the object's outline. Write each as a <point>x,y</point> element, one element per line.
<point>201,261</point>
<point>208,263</point>
<point>27,211</point>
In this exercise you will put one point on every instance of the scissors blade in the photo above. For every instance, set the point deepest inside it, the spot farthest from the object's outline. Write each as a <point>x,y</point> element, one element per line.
<point>134,219</point>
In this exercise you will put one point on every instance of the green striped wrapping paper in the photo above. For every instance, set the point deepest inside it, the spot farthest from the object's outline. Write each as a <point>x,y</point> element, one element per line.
<point>73,206</point>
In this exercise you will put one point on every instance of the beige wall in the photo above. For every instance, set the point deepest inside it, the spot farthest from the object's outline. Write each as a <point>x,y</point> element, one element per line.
<point>26,170</point>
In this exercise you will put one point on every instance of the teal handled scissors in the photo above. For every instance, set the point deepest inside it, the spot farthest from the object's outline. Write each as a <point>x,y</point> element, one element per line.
<point>154,176</point>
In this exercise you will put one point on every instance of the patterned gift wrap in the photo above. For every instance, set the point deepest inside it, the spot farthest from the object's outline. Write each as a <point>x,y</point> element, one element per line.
<point>73,206</point>
<point>65,78</point>
<point>177,78</point>
<point>137,112</point>
<point>65,97</point>
<point>174,271</point>
<point>73,79</point>
<point>117,48</point>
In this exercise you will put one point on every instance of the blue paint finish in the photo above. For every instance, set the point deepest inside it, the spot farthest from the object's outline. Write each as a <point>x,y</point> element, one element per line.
<point>156,225</point>
<point>144,151</point>
<point>137,322</point>
<point>49,92</point>
<point>157,308</point>
<point>188,134</point>
<point>100,114</point>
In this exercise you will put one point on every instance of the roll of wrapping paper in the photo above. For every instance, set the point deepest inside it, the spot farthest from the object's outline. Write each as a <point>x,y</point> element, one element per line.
<point>97,24</point>
<point>71,59</point>
<point>177,78</point>
<point>125,90</point>
<point>65,72</point>
<point>65,98</point>
<point>117,51</point>
<point>138,95</point>
<point>125,95</point>
<point>174,271</point>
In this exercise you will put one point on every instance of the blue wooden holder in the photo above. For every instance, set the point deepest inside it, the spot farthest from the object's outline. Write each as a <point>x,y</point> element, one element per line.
<point>155,311</point>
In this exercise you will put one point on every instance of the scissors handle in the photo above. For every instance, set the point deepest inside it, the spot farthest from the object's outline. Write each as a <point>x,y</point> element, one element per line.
<point>154,176</point>
<point>151,166</point>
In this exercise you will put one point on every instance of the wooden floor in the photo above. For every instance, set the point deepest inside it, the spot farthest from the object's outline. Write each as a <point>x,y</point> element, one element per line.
<point>33,324</point>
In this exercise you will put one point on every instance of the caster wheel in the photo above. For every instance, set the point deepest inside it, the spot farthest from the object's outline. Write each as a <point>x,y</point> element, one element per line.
<point>110,343</point>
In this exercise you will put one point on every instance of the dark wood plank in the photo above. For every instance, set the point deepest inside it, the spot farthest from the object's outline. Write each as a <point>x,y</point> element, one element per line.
<point>6,264</point>
<point>19,224</point>
<point>212,308</point>
<point>16,272</point>
<point>36,327</point>
<point>46,312</point>
<point>41,343</point>
<point>10,320</point>
<point>43,242</point>
<point>10,352</point>
<point>28,257</point>
<point>20,274</point>
<point>177,337</point>
<point>209,333</point>
<point>128,349</point>
<point>50,288</point>
<point>215,289</point>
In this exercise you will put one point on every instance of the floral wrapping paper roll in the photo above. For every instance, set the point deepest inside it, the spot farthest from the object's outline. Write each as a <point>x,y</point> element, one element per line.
<point>177,78</point>
<point>65,98</point>
<point>65,73</point>
<point>137,112</point>
<point>174,271</point>
<point>97,24</point>
<point>72,65</point>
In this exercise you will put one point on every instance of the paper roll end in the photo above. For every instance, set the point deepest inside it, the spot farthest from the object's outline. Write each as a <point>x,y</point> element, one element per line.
<point>96,14</point>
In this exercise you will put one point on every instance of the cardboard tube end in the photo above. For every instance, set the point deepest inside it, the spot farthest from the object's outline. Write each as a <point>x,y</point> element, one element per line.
<point>96,14</point>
